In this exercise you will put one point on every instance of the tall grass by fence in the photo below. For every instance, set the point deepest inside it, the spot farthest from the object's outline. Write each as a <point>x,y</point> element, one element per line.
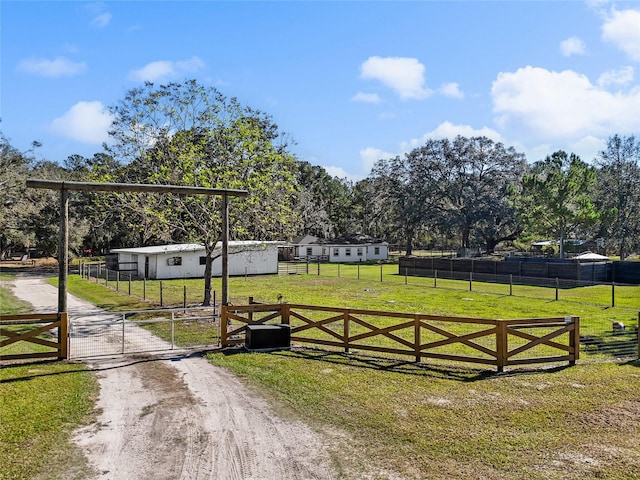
<point>499,343</point>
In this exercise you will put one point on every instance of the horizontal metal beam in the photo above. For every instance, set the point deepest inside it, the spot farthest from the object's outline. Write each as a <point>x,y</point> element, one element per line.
<point>133,187</point>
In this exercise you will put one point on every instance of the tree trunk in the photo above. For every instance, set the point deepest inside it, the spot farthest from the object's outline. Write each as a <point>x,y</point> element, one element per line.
<point>409,235</point>
<point>208,268</point>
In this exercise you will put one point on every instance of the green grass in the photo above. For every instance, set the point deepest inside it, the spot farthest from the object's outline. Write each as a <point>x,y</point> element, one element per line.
<point>390,419</point>
<point>40,404</point>
<point>424,421</point>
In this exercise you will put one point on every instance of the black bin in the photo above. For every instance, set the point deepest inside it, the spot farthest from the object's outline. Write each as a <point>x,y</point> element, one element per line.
<point>267,337</point>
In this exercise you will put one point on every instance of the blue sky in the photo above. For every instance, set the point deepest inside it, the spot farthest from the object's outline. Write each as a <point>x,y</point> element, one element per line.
<point>350,82</point>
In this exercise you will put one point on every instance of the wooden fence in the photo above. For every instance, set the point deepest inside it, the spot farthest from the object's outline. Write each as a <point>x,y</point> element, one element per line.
<point>35,329</point>
<point>499,343</point>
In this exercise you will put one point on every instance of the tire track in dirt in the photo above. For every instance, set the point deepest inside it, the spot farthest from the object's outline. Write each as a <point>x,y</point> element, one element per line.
<point>183,418</point>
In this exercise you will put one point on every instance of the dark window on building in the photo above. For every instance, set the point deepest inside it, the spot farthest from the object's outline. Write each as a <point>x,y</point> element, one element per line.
<point>174,261</point>
<point>203,260</point>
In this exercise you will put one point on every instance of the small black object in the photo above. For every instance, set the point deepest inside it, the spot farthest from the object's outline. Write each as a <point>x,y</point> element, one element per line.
<point>267,337</point>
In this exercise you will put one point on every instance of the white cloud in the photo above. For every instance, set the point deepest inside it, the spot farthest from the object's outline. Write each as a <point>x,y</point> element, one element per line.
<point>621,77</point>
<point>543,105</point>
<point>451,90</point>
<point>58,67</point>
<point>86,122</point>
<point>340,173</point>
<point>370,155</point>
<point>101,20</point>
<point>622,28</point>
<point>163,69</point>
<point>572,46</point>
<point>403,75</point>
<point>366,97</point>
<point>449,130</point>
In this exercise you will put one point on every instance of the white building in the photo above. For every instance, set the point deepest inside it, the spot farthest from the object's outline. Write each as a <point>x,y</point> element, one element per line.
<point>360,248</point>
<point>187,260</point>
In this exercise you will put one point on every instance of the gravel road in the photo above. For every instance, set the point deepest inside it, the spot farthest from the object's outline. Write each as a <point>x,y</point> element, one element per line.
<point>180,417</point>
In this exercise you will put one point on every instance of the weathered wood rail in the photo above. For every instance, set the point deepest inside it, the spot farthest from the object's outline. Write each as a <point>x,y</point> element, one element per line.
<point>498,343</point>
<point>33,326</point>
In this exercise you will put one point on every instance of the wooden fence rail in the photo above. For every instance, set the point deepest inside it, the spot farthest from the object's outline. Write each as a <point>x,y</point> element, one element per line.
<point>499,343</point>
<point>32,328</point>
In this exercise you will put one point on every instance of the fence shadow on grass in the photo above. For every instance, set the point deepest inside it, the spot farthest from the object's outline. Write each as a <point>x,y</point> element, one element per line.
<point>431,370</point>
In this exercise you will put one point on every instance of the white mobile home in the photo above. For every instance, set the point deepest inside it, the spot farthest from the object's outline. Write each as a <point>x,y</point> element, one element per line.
<point>188,260</point>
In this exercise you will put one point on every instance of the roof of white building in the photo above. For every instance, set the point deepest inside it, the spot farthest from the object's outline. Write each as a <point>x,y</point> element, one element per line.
<point>189,247</point>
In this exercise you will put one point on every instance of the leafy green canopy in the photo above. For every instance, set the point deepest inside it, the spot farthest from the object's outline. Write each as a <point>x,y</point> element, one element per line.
<point>556,199</point>
<point>187,134</point>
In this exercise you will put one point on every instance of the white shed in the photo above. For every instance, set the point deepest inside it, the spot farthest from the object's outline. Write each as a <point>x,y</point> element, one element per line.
<point>187,260</point>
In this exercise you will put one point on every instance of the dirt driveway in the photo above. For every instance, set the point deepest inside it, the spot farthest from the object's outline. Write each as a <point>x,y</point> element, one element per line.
<point>180,417</point>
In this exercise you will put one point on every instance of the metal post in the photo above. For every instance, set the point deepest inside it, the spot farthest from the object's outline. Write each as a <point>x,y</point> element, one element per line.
<point>405,276</point>
<point>435,279</point>
<point>557,286</point>
<point>144,288</point>
<point>123,317</point>
<point>161,299</point>
<point>470,281</point>
<point>118,281</point>
<point>184,297</point>
<point>510,284</point>
<point>172,330</point>
<point>613,294</point>
<point>358,271</point>
<point>381,272</point>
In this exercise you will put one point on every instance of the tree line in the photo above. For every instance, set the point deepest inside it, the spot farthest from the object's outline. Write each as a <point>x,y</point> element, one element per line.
<point>461,192</point>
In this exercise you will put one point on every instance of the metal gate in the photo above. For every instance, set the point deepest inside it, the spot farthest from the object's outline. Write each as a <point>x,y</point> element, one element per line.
<point>93,334</point>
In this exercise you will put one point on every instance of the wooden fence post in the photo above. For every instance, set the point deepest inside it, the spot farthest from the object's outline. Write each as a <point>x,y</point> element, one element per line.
<point>574,340</point>
<point>223,325</point>
<point>345,326</point>
<point>285,313</point>
<point>63,336</point>
<point>502,347</point>
<point>417,340</point>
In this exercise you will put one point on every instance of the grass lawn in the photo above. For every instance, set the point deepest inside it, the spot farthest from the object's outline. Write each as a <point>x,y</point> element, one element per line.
<point>396,419</point>
<point>40,404</point>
